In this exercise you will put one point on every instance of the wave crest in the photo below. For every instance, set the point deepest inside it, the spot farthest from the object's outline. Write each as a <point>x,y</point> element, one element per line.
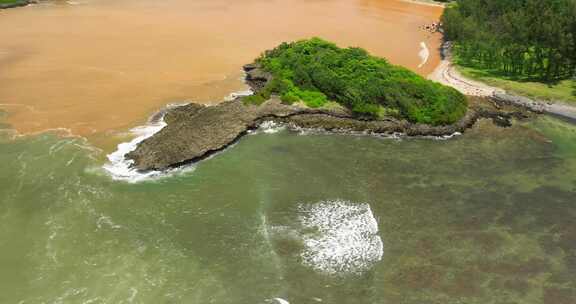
<point>344,240</point>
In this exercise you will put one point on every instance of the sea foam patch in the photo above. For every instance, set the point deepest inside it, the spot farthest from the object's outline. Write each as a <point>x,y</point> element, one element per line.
<point>119,167</point>
<point>238,94</point>
<point>268,127</point>
<point>271,127</point>
<point>423,54</point>
<point>343,239</point>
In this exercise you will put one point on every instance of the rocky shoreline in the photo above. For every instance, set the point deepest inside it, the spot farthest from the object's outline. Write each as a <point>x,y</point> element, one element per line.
<point>195,131</point>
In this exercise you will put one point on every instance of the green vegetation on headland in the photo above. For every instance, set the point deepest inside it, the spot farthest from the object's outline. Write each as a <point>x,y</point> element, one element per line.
<point>526,40</point>
<point>316,71</point>
<point>12,3</point>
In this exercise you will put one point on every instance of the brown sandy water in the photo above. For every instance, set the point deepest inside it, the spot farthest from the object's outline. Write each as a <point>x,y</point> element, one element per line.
<point>101,67</point>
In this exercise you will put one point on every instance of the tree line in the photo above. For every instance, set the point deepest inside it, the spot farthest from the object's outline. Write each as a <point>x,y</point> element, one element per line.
<point>528,38</point>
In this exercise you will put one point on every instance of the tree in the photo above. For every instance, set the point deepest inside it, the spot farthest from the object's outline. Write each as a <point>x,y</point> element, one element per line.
<point>527,38</point>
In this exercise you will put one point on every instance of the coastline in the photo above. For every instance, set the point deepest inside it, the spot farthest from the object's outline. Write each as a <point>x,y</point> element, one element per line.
<point>194,132</point>
<point>447,73</point>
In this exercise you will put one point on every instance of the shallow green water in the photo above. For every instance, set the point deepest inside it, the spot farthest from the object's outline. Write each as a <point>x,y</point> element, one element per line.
<point>488,217</point>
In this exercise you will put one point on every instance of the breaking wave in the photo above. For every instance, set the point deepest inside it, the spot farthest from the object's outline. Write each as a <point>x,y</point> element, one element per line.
<point>270,127</point>
<point>235,95</point>
<point>120,168</point>
<point>424,54</point>
<point>344,240</point>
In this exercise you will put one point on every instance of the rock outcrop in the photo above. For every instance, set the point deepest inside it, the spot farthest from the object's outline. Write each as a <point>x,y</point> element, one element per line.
<point>195,131</point>
<point>256,78</point>
<point>560,110</point>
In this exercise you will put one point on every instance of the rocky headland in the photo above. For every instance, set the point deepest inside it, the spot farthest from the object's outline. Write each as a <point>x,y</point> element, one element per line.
<point>195,131</point>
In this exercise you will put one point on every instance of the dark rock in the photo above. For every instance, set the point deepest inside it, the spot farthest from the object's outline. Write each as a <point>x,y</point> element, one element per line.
<point>256,78</point>
<point>528,103</point>
<point>558,109</point>
<point>194,131</point>
<point>251,66</point>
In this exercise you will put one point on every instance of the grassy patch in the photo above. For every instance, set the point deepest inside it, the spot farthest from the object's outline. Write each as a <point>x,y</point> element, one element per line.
<point>254,100</point>
<point>563,91</point>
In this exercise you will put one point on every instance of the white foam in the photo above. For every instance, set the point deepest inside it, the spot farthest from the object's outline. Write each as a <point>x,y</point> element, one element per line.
<point>424,54</point>
<point>281,301</point>
<point>451,135</point>
<point>235,95</point>
<point>348,132</point>
<point>133,294</point>
<point>345,238</point>
<point>392,135</point>
<point>442,137</point>
<point>271,127</point>
<point>242,93</point>
<point>119,167</point>
<point>106,221</point>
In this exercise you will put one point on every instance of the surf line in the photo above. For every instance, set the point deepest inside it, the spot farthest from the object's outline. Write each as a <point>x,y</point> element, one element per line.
<point>424,54</point>
<point>119,167</point>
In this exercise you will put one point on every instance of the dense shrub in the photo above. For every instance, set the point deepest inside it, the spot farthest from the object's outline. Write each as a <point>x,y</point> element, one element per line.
<point>10,3</point>
<point>316,71</point>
